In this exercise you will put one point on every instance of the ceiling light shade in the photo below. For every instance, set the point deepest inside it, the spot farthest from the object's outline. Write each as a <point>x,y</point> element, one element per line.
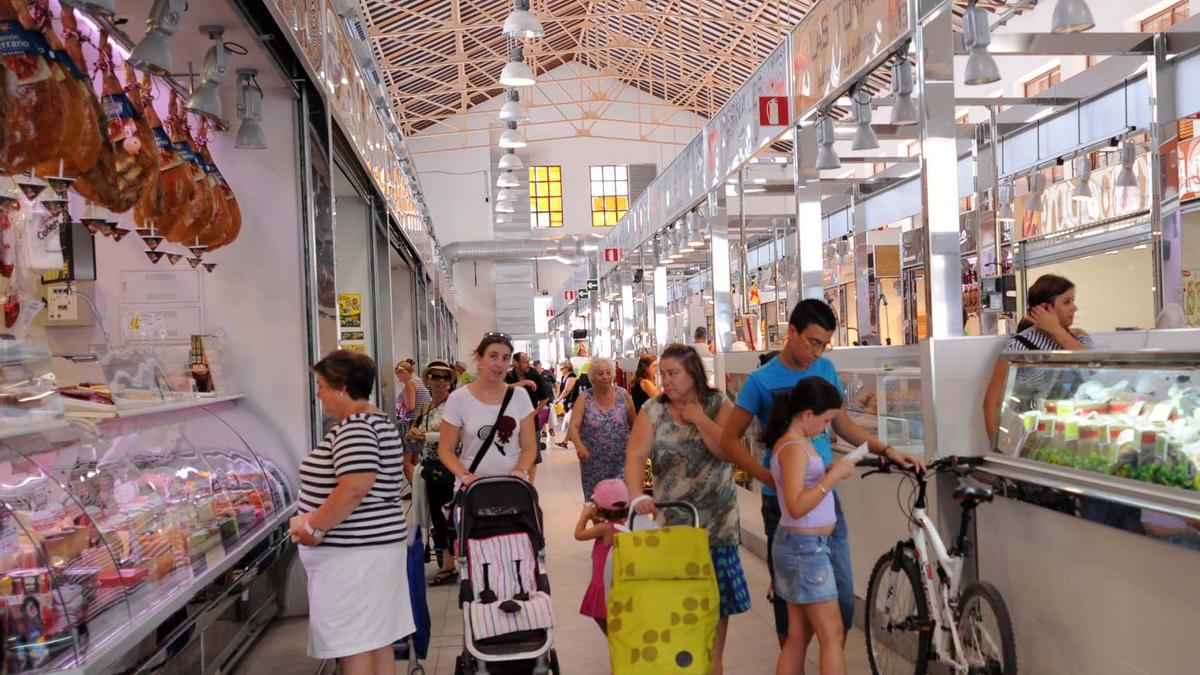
<point>516,73</point>
<point>512,138</point>
<point>1037,185</point>
<point>153,53</point>
<point>699,231</point>
<point>981,67</point>
<point>522,23</point>
<point>250,134</point>
<point>1071,16</point>
<point>1083,188</point>
<point>510,160</point>
<point>507,180</point>
<point>904,110</point>
<point>1004,214</point>
<point>504,218</point>
<point>506,195</point>
<point>1126,178</point>
<point>827,157</point>
<point>206,99</point>
<point>505,207</point>
<point>864,135</point>
<point>513,110</point>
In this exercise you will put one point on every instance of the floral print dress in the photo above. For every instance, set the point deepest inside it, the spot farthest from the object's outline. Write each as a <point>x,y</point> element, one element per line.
<point>605,434</point>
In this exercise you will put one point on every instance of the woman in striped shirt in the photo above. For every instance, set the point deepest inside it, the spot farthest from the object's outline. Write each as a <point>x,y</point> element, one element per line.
<point>351,528</point>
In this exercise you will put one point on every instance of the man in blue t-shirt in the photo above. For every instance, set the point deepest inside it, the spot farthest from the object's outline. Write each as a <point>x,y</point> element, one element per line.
<point>810,328</point>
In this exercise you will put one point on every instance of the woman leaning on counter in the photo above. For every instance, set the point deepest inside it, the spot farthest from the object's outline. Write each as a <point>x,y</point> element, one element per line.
<point>351,528</point>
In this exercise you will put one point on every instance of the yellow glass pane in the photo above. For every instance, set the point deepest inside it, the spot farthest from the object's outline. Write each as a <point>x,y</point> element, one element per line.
<point>598,219</point>
<point>543,204</point>
<point>610,203</point>
<point>533,204</point>
<point>621,214</point>
<point>555,173</point>
<point>610,218</point>
<point>532,174</point>
<point>622,203</point>
<point>597,203</point>
<point>555,204</point>
<point>556,219</point>
<point>556,189</point>
<point>541,173</point>
<point>540,190</point>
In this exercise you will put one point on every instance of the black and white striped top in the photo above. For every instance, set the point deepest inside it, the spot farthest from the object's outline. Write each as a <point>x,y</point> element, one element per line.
<point>362,443</point>
<point>1041,340</point>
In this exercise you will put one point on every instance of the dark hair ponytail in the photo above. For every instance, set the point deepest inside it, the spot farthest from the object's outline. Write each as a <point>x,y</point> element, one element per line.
<point>811,393</point>
<point>1044,291</point>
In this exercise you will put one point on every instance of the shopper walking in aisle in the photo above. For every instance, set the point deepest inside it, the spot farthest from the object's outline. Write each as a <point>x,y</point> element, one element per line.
<point>524,378</point>
<point>645,381</point>
<point>464,376</point>
<point>800,551</point>
<point>472,411</point>
<point>351,528</point>
<point>602,516</point>
<point>566,382</point>
<point>439,482</point>
<point>680,431</point>
<point>600,427</point>
<point>1048,325</point>
<point>700,344</point>
<point>406,395</point>
<point>810,328</point>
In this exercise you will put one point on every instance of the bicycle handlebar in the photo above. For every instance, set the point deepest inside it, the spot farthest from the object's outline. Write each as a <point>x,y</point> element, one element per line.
<point>880,464</point>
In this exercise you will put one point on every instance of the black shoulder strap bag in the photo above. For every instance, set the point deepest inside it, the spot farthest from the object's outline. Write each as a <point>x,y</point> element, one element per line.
<point>1027,343</point>
<point>487,442</point>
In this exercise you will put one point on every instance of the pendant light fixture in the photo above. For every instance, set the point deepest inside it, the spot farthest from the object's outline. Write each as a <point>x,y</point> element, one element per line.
<point>505,207</point>
<point>904,110</point>
<point>512,138</point>
<point>153,53</point>
<point>1004,214</point>
<point>516,73</point>
<point>864,135</point>
<point>981,67</point>
<point>250,134</point>
<point>206,99</point>
<point>522,23</point>
<point>827,157</point>
<point>510,160</point>
<point>1037,185</point>
<point>1071,16</point>
<point>513,110</point>
<point>1083,188</point>
<point>507,179</point>
<point>506,195</point>
<point>1126,178</point>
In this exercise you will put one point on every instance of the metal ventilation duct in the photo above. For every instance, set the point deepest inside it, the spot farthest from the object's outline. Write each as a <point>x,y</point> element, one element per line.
<point>570,250</point>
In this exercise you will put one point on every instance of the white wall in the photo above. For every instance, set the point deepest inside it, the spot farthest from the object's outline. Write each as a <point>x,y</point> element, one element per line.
<point>1127,274</point>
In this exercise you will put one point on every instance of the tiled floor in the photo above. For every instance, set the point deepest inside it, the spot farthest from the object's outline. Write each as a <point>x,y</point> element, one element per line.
<point>751,650</point>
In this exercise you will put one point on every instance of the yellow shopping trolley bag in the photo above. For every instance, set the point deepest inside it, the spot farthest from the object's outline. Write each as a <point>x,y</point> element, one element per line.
<point>663,606</point>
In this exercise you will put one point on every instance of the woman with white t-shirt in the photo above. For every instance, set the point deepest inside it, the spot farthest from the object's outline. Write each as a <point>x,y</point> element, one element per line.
<point>471,411</point>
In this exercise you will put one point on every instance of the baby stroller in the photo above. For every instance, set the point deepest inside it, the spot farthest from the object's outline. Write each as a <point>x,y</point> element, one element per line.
<point>508,619</point>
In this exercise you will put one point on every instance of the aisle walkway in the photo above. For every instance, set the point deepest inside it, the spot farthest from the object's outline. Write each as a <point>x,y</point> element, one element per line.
<point>752,648</point>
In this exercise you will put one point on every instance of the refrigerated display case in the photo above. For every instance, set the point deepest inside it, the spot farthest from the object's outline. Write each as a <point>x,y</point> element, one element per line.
<point>886,402</point>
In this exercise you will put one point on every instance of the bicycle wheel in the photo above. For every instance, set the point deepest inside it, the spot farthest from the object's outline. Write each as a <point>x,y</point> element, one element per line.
<point>989,645</point>
<point>897,642</point>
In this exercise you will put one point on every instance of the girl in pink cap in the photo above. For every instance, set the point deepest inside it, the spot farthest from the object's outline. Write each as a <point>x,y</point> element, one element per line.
<point>601,518</point>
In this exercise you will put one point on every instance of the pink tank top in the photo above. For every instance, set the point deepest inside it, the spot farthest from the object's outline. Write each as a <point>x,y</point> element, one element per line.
<point>823,514</point>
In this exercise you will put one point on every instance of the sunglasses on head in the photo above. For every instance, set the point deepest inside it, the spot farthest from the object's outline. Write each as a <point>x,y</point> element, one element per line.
<point>498,334</point>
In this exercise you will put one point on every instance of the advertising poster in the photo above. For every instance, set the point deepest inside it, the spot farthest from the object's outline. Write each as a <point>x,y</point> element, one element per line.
<point>350,310</point>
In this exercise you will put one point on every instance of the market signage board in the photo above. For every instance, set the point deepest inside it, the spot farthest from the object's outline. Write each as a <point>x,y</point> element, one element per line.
<point>837,40</point>
<point>593,285</point>
<point>736,132</point>
<point>1061,214</point>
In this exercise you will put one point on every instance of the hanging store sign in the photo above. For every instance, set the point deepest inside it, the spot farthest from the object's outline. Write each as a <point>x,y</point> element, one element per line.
<point>839,39</point>
<point>772,111</point>
<point>612,255</point>
<point>583,294</point>
<point>1060,213</point>
<point>1189,169</point>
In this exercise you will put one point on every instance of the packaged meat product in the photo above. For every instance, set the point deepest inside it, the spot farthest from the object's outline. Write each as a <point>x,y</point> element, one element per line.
<point>216,233</point>
<point>202,205</point>
<point>167,204</point>
<point>70,152</point>
<point>34,100</point>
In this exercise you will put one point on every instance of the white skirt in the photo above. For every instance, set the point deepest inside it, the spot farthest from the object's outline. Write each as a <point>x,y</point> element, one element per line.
<point>357,598</point>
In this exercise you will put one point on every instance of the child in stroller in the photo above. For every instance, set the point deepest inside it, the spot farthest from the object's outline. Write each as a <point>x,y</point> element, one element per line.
<point>508,620</point>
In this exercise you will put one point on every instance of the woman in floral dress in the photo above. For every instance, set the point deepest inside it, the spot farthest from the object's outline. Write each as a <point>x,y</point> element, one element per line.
<point>600,427</point>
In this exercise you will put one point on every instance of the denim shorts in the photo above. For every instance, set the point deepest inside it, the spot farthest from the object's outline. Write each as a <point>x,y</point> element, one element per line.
<point>803,568</point>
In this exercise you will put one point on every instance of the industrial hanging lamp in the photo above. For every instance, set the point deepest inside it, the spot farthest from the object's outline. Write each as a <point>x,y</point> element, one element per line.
<point>507,180</point>
<point>250,135</point>
<point>506,195</point>
<point>1071,16</point>
<point>904,110</point>
<point>1037,185</point>
<point>516,73</point>
<point>864,135</point>
<point>153,53</point>
<point>510,160</point>
<point>1083,188</point>
<point>513,110</point>
<point>981,67</point>
<point>1005,213</point>
<point>827,157</point>
<point>522,23</point>
<point>206,99</point>
<point>512,137</point>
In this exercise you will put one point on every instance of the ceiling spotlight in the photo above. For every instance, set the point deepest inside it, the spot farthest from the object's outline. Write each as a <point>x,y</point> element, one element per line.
<point>1126,178</point>
<point>1005,213</point>
<point>513,110</point>
<point>522,23</point>
<point>512,138</point>
<point>206,99</point>
<point>153,53</point>
<point>510,160</point>
<point>1037,185</point>
<point>699,231</point>
<point>1071,16</point>
<point>981,67</point>
<point>507,179</point>
<point>827,157</point>
<point>864,135</point>
<point>250,134</point>
<point>904,110</point>
<point>516,73</point>
<point>1083,189</point>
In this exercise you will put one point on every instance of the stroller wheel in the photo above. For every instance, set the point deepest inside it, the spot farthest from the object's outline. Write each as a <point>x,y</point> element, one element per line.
<point>554,663</point>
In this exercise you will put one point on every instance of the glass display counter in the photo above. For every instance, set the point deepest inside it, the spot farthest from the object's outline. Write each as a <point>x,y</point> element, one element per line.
<point>886,402</point>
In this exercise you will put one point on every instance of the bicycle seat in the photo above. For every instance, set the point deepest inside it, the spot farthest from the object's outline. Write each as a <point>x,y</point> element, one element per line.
<point>973,495</point>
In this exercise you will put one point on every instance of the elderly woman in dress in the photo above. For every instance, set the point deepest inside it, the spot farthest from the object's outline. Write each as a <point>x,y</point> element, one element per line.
<point>600,427</point>
<point>351,527</point>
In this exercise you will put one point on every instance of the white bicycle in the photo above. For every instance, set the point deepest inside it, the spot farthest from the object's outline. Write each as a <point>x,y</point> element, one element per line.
<point>918,610</point>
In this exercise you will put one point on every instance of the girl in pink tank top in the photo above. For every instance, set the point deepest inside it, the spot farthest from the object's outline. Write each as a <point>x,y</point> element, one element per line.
<point>800,551</point>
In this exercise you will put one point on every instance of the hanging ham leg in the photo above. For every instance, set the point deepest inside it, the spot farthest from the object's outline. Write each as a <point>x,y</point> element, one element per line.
<point>214,235</point>
<point>203,206</point>
<point>35,101</point>
<point>66,144</point>
<point>81,138</point>
<point>167,205</point>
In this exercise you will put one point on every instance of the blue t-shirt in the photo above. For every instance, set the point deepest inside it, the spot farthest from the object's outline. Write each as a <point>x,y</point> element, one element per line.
<point>758,395</point>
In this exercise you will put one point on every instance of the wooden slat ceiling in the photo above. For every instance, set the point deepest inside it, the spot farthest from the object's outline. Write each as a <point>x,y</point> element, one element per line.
<point>441,57</point>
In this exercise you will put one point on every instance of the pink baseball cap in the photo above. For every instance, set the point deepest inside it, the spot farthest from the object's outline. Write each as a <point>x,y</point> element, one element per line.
<point>611,494</point>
